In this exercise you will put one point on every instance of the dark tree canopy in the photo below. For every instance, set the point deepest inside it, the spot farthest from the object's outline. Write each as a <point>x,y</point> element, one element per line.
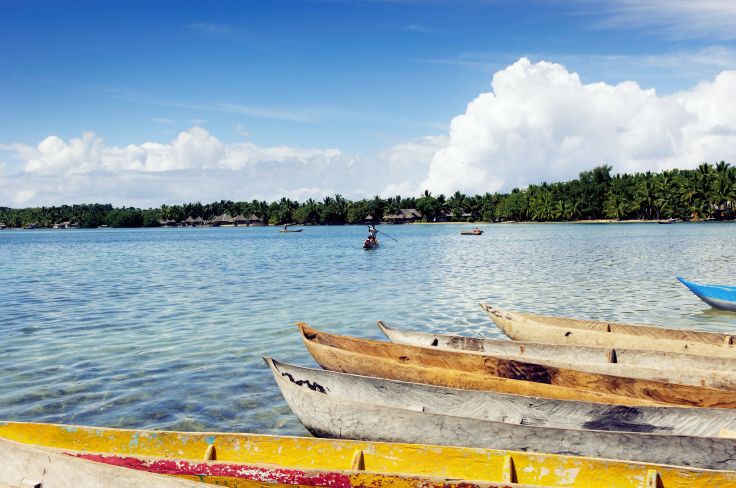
<point>706,192</point>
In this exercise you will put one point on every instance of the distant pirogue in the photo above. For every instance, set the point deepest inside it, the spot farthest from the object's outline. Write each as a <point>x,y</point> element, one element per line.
<point>669,367</point>
<point>530,327</point>
<point>333,404</point>
<point>280,461</point>
<point>389,360</point>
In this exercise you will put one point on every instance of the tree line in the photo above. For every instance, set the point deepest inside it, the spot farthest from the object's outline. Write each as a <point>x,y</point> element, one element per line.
<point>707,192</point>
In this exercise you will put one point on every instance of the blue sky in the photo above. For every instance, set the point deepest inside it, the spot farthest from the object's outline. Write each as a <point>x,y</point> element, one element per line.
<point>358,76</point>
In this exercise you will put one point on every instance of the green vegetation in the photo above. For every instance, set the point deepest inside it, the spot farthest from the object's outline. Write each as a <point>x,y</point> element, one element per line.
<point>706,192</point>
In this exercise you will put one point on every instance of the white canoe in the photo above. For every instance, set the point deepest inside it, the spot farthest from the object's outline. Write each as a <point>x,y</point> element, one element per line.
<point>529,327</point>
<point>339,405</point>
<point>685,369</point>
<point>24,466</point>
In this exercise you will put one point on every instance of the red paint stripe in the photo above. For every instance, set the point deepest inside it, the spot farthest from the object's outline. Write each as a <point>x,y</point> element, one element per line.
<point>245,471</point>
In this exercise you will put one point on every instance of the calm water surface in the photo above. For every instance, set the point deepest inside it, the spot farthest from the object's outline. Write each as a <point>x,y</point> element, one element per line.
<point>165,328</point>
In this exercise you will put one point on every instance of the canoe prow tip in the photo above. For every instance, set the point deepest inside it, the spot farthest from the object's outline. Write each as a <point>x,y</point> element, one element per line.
<point>383,327</point>
<point>496,312</point>
<point>308,333</point>
<point>269,361</point>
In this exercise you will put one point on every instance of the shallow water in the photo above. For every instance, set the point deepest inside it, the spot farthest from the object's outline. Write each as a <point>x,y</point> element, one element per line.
<point>165,328</point>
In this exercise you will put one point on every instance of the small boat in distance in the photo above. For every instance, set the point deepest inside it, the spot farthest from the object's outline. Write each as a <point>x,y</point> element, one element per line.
<point>717,296</point>
<point>286,229</point>
<point>370,244</point>
<point>474,232</point>
<point>669,221</point>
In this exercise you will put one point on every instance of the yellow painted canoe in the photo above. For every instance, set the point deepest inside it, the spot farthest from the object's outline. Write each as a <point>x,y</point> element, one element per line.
<point>371,459</point>
<point>529,327</point>
<point>492,366</point>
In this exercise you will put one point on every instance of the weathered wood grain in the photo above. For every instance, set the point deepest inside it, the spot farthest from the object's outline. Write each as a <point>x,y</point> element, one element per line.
<point>326,412</point>
<point>557,330</point>
<point>685,369</point>
<point>504,407</point>
<point>491,366</point>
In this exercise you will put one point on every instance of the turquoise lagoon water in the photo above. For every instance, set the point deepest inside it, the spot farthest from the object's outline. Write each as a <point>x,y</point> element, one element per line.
<point>165,328</point>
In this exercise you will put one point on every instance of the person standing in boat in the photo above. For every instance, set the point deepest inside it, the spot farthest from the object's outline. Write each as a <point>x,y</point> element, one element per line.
<point>372,231</point>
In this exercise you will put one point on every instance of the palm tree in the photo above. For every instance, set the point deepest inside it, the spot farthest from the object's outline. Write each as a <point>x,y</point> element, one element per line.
<point>666,193</point>
<point>645,196</point>
<point>722,192</point>
<point>457,204</point>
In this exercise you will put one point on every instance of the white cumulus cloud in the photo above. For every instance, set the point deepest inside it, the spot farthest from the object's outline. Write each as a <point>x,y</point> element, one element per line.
<point>541,123</point>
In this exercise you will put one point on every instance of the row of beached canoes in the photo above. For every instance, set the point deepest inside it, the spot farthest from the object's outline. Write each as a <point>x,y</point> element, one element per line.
<point>562,386</point>
<point>553,407</point>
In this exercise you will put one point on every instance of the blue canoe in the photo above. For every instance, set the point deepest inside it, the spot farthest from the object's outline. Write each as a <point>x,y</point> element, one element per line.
<point>717,296</point>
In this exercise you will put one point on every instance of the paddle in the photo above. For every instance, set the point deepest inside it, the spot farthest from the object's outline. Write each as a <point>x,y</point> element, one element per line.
<point>382,232</point>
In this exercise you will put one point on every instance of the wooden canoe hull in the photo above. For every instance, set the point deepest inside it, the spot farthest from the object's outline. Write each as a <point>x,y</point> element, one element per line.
<point>671,368</point>
<point>404,459</point>
<point>25,465</point>
<point>717,296</point>
<point>502,407</point>
<point>391,367</point>
<point>492,366</point>
<point>643,330</point>
<point>328,414</point>
<point>556,330</point>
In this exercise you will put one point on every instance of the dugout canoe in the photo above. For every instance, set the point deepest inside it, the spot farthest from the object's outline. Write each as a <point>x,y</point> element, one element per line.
<point>415,463</point>
<point>351,351</point>
<point>517,409</point>
<point>248,460</point>
<point>686,369</point>
<point>26,466</point>
<point>345,406</point>
<point>722,297</point>
<point>529,327</point>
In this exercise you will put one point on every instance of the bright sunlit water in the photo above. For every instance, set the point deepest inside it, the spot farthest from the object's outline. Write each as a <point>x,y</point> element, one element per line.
<point>165,328</point>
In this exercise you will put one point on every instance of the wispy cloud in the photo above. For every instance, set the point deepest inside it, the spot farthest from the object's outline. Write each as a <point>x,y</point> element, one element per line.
<point>676,19</point>
<point>308,114</point>
<point>424,29</point>
<point>212,29</point>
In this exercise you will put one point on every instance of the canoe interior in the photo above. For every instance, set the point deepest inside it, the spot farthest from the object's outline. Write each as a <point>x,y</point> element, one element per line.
<point>530,328</point>
<point>642,330</point>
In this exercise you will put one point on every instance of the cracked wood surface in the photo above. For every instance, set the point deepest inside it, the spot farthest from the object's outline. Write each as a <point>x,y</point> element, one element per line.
<point>685,369</point>
<point>331,414</point>
<point>354,355</point>
<point>559,330</point>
